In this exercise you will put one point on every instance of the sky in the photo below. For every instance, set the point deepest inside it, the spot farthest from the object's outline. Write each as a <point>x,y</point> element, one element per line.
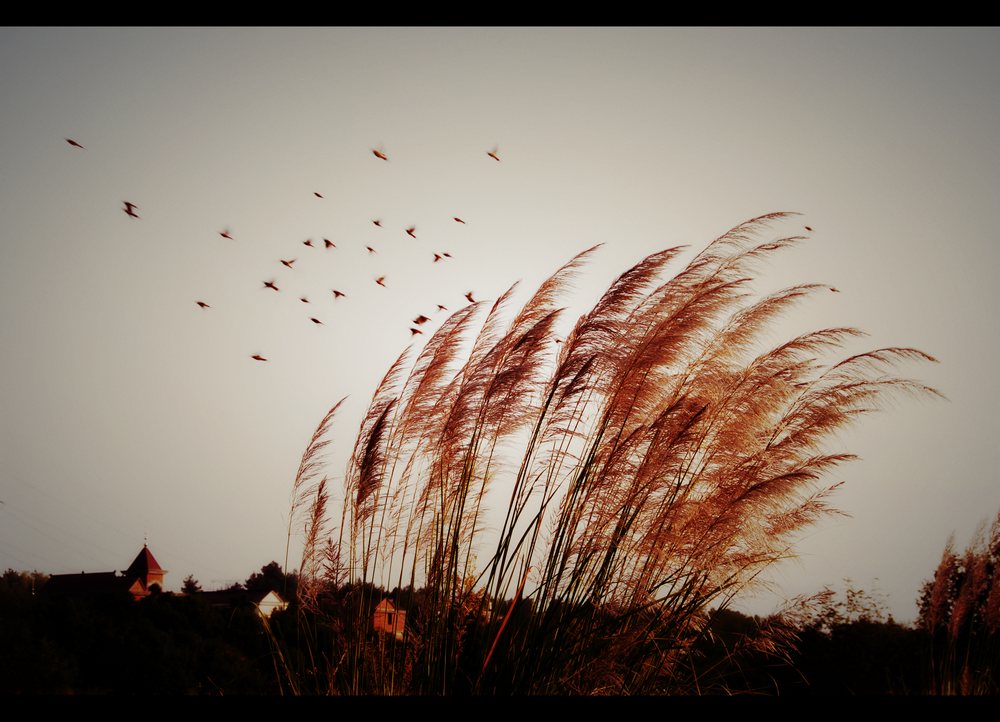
<point>131,414</point>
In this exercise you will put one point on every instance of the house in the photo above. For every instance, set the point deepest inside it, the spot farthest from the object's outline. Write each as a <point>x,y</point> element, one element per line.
<point>265,601</point>
<point>268,602</point>
<point>143,577</point>
<point>388,619</point>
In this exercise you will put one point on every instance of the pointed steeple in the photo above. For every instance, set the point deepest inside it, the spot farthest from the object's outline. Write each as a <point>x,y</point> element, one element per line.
<point>146,569</point>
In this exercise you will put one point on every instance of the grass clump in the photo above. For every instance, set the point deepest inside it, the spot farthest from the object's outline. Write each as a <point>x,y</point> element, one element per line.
<point>960,611</point>
<point>647,467</point>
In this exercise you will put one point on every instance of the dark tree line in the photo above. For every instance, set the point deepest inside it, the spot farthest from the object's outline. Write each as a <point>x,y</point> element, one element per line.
<point>179,644</point>
<point>110,644</point>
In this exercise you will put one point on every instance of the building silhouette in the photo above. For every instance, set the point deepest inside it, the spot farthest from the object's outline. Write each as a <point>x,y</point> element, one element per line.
<point>144,576</point>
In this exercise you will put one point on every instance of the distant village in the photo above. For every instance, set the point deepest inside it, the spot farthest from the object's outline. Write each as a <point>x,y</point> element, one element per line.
<point>144,577</point>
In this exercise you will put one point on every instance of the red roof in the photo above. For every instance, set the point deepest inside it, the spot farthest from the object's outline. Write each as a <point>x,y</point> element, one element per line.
<point>385,606</point>
<point>144,564</point>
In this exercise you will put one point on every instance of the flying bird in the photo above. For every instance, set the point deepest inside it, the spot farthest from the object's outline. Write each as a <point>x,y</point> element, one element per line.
<point>411,232</point>
<point>835,290</point>
<point>380,281</point>
<point>304,299</point>
<point>437,257</point>
<point>380,154</point>
<point>317,194</point>
<point>493,154</point>
<point>202,304</point>
<point>808,228</point>
<point>130,209</point>
<point>338,294</point>
<point>459,220</point>
<point>270,284</point>
<point>316,320</point>
<point>446,254</point>
<point>73,142</point>
<point>327,243</point>
<point>415,331</point>
<point>288,263</point>
<point>308,242</point>
<point>258,357</point>
<point>225,234</point>
<point>377,223</point>
<point>469,296</point>
<point>442,308</point>
<point>370,249</point>
<point>421,319</point>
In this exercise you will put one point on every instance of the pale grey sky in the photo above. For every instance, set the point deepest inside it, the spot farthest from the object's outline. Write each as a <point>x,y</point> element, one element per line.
<point>129,411</point>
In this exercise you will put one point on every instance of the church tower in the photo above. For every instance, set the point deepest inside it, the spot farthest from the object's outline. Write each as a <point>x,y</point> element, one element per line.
<point>145,570</point>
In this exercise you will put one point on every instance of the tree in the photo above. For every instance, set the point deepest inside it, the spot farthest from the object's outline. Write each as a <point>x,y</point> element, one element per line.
<point>848,643</point>
<point>191,585</point>
<point>271,578</point>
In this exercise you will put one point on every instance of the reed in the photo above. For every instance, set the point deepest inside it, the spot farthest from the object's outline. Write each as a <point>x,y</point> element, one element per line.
<point>960,611</point>
<point>649,466</point>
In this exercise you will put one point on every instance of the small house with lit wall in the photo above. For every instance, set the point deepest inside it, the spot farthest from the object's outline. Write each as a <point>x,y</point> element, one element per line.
<point>388,619</point>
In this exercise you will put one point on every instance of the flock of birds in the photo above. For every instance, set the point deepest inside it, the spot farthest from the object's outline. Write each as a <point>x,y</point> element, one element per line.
<point>130,209</point>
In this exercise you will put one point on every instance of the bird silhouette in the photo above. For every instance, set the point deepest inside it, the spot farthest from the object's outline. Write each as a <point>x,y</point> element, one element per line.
<point>327,243</point>
<point>317,194</point>
<point>130,209</point>
<point>446,254</point>
<point>338,294</point>
<point>442,308</point>
<point>202,304</point>
<point>421,319</point>
<point>308,242</point>
<point>316,320</point>
<point>370,249</point>
<point>808,228</point>
<point>380,281</point>
<point>835,290</point>
<point>288,263</point>
<point>258,357</point>
<point>73,142</point>
<point>225,234</point>
<point>459,220</point>
<point>377,223</point>
<point>270,284</point>
<point>304,299</point>
<point>380,154</point>
<point>411,232</point>
<point>493,154</point>
<point>437,257</point>
<point>415,331</point>
<point>469,296</point>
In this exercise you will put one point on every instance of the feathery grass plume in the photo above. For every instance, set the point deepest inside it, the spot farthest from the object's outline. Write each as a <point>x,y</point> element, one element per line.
<point>312,567</point>
<point>422,408</point>
<point>960,609</point>
<point>662,462</point>
<point>309,467</point>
